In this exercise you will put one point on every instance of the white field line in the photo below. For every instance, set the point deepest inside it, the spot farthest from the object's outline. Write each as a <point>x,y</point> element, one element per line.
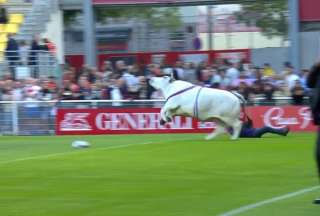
<point>79,151</point>
<point>68,153</point>
<point>268,201</point>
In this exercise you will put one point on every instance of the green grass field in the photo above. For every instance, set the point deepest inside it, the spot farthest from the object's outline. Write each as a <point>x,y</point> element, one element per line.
<point>156,175</point>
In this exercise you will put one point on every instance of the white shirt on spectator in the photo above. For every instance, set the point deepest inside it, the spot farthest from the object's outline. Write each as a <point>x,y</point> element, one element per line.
<point>32,89</point>
<point>24,52</point>
<point>180,73</point>
<point>291,80</point>
<point>131,80</point>
<point>190,75</point>
<point>216,78</point>
<point>233,74</point>
<point>17,94</point>
<point>116,95</point>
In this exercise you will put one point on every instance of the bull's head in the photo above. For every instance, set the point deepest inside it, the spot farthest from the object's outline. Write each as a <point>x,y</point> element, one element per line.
<point>160,82</point>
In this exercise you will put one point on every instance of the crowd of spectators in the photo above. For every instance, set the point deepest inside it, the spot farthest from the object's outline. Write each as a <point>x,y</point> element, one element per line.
<point>117,80</point>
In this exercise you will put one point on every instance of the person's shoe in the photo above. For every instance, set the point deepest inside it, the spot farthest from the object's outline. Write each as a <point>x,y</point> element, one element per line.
<point>317,201</point>
<point>285,131</point>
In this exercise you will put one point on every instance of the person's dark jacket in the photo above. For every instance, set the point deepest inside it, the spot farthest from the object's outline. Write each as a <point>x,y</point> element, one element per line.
<point>33,54</point>
<point>313,82</point>
<point>12,50</point>
<point>3,16</point>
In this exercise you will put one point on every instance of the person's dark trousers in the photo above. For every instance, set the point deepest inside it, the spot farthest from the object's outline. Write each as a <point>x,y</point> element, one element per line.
<point>318,152</point>
<point>259,132</point>
<point>12,69</point>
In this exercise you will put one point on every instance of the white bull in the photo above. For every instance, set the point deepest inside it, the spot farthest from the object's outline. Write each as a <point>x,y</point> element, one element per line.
<point>206,104</point>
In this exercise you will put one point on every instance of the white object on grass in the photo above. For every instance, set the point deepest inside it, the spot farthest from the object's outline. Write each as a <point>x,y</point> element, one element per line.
<point>80,144</point>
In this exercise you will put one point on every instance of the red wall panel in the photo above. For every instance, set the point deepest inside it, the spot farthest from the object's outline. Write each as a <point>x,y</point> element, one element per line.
<point>309,10</point>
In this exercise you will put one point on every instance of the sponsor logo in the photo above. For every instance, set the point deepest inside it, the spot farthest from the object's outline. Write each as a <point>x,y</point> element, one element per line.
<point>138,121</point>
<point>75,122</point>
<point>275,117</point>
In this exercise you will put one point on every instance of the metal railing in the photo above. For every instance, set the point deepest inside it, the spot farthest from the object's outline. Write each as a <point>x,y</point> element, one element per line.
<point>31,63</point>
<point>38,117</point>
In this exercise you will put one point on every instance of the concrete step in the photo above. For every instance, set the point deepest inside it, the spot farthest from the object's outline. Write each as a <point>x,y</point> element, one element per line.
<point>18,10</point>
<point>17,4</point>
<point>34,19</point>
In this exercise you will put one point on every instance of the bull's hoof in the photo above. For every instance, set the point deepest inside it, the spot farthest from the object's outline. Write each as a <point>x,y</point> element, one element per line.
<point>162,122</point>
<point>210,136</point>
<point>234,137</point>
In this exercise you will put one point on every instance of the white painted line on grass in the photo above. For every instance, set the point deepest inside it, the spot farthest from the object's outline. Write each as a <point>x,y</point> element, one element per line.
<point>268,201</point>
<point>79,151</point>
<point>68,153</point>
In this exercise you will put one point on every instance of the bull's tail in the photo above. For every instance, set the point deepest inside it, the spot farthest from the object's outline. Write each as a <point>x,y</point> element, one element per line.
<point>243,103</point>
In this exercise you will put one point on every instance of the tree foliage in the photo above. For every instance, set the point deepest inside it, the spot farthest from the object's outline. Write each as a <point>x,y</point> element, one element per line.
<point>270,16</point>
<point>157,17</point>
<point>70,15</point>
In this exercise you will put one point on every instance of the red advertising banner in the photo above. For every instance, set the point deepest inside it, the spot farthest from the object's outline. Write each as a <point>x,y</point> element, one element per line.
<point>146,120</point>
<point>122,121</point>
<point>298,118</point>
<point>135,2</point>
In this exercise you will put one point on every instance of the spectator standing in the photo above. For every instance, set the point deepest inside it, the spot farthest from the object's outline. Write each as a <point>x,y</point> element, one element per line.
<point>267,70</point>
<point>206,76</point>
<point>84,88</point>
<point>116,90</point>
<point>17,92</point>
<point>232,73</point>
<point>3,16</point>
<point>200,67</point>
<point>297,93</point>
<point>223,84</point>
<point>52,50</point>
<point>189,72</point>
<point>304,78</point>
<point>121,67</point>
<point>178,71</point>
<point>216,78</point>
<point>51,46</point>
<point>132,82</point>
<point>143,92</point>
<point>33,60</point>
<point>12,54</point>
<point>66,91</point>
<point>45,92</point>
<point>96,91</point>
<point>105,72</point>
<point>268,91</point>
<point>244,90</point>
<point>23,52</point>
<point>31,89</point>
<point>248,71</point>
<point>290,78</point>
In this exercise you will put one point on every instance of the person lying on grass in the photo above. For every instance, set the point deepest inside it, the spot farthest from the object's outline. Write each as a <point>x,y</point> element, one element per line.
<point>248,131</point>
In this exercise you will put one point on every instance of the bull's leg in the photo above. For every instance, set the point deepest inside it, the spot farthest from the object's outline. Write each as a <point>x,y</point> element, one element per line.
<point>167,112</point>
<point>220,129</point>
<point>236,126</point>
<point>165,115</point>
